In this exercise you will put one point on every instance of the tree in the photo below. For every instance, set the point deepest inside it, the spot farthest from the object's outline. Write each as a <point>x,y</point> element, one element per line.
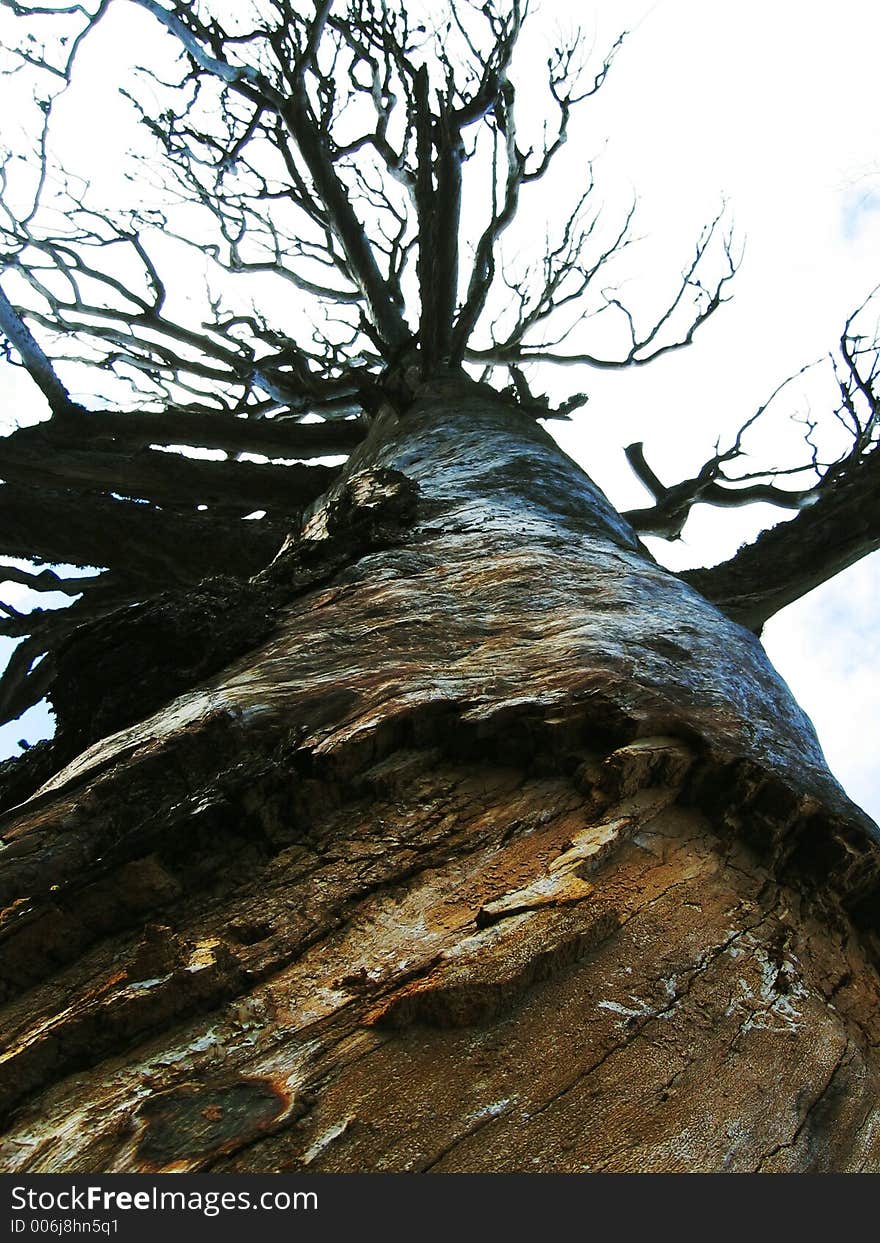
<point>425,821</point>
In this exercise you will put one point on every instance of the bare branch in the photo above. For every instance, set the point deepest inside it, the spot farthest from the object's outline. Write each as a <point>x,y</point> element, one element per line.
<point>24,682</point>
<point>858,413</point>
<point>34,359</point>
<point>645,346</point>
<point>294,109</point>
<point>711,485</point>
<point>784,563</point>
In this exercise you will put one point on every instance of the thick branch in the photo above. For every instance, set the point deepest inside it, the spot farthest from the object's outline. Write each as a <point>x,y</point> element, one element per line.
<point>154,546</point>
<point>296,113</point>
<point>666,518</point>
<point>23,684</point>
<point>33,456</point>
<point>784,563</point>
<point>439,207</point>
<point>281,437</point>
<point>34,359</point>
<point>48,580</point>
<point>503,213</point>
<point>348,229</point>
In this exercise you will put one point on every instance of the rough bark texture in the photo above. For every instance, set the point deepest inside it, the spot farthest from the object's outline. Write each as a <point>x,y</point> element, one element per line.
<point>503,850</point>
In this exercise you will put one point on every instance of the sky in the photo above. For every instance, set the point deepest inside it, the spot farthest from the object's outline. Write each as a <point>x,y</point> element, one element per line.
<point>770,107</point>
<point>773,106</point>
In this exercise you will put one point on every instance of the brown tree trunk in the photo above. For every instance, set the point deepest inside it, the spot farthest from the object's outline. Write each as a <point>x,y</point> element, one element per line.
<point>504,851</point>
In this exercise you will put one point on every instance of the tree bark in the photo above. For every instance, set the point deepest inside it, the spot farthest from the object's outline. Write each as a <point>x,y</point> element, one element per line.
<point>506,850</point>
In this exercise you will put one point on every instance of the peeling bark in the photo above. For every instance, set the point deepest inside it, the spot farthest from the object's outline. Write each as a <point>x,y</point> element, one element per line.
<point>502,849</point>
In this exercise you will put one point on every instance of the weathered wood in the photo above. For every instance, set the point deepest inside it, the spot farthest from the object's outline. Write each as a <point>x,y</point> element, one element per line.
<point>505,850</point>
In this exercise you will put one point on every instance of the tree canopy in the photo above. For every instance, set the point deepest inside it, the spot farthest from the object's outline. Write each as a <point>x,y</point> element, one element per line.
<point>354,183</point>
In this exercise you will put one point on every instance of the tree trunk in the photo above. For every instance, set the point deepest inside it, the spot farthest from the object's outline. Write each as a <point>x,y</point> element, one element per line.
<point>504,851</point>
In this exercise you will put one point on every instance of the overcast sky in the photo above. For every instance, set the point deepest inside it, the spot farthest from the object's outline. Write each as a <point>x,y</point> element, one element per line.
<point>771,106</point>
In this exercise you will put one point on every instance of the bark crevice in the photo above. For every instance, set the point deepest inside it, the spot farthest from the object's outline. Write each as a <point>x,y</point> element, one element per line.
<point>492,794</point>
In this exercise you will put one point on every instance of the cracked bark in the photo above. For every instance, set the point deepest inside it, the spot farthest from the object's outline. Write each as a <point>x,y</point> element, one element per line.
<point>502,849</point>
